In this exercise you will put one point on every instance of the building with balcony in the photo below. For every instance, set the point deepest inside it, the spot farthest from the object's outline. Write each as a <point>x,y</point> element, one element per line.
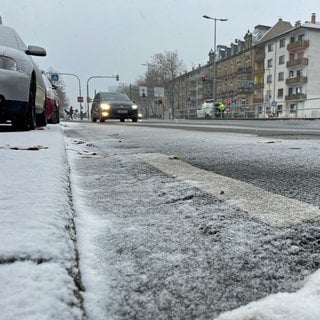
<point>292,69</point>
<point>273,70</point>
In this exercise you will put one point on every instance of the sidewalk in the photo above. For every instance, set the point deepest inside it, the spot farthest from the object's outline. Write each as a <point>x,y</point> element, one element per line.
<point>38,260</point>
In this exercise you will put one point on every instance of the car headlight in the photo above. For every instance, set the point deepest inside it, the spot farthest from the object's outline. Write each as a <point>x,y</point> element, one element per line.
<point>134,107</point>
<point>105,106</point>
<point>8,63</point>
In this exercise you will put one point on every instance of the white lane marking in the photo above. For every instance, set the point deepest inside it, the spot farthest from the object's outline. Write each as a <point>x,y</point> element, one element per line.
<point>270,208</point>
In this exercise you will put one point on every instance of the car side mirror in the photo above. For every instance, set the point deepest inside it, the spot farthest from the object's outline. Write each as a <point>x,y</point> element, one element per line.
<point>36,51</point>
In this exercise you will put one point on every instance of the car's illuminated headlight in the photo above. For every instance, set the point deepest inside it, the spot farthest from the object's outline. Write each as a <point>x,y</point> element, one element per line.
<point>104,113</point>
<point>105,106</point>
<point>134,107</point>
<point>8,63</point>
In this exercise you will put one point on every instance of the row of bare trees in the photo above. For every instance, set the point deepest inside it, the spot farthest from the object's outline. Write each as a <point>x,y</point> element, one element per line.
<point>162,69</point>
<point>160,72</point>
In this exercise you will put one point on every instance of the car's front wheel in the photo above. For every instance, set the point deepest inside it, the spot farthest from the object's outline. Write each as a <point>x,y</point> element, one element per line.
<point>29,121</point>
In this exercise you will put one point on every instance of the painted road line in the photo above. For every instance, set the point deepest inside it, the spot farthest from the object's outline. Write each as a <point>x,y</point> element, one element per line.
<point>270,208</point>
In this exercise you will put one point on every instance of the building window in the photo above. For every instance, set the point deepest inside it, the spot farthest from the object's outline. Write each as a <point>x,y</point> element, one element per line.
<point>269,63</point>
<point>280,93</point>
<point>291,74</point>
<point>279,109</point>
<point>293,108</point>
<point>281,59</point>
<point>292,39</point>
<point>280,76</point>
<point>299,72</point>
<point>270,47</point>
<point>269,78</point>
<point>300,37</point>
<point>282,43</point>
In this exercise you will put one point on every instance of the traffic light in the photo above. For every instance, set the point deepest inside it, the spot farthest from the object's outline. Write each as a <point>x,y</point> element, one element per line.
<point>117,77</point>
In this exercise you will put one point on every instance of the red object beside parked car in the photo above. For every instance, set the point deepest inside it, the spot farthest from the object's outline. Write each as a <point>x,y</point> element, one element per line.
<point>52,103</point>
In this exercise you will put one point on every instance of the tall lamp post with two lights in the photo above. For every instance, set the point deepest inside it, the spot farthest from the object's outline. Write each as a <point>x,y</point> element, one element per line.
<point>215,53</point>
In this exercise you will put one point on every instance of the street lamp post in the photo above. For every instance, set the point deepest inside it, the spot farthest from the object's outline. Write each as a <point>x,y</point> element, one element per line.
<point>215,54</point>
<point>146,100</point>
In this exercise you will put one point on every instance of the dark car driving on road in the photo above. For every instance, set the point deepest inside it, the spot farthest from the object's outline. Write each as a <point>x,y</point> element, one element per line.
<point>113,105</point>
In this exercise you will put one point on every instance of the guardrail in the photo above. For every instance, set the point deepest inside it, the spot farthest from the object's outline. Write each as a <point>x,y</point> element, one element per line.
<point>293,109</point>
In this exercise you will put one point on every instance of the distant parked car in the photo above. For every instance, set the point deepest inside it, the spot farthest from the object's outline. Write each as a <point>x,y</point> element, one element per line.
<point>207,110</point>
<point>113,105</point>
<point>22,90</point>
<point>52,103</point>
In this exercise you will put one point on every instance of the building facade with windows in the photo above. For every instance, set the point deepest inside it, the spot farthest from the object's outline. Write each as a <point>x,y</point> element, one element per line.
<point>273,71</point>
<point>292,87</point>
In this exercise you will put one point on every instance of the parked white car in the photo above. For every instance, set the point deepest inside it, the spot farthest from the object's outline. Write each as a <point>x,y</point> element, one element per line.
<point>206,111</point>
<point>22,90</point>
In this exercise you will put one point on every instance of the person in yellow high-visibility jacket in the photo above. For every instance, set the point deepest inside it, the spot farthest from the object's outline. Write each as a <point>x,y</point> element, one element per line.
<point>221,108</point>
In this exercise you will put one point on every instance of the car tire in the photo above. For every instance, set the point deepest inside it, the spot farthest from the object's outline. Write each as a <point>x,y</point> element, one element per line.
<point>42,119</point>
<point>134,119</point>
<point>122,119</point>
<point>55,118</point>
<point>29,121</point>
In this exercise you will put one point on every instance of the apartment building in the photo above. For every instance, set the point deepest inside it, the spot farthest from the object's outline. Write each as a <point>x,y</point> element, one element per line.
<point>292,66</point>
<point>273,71</point>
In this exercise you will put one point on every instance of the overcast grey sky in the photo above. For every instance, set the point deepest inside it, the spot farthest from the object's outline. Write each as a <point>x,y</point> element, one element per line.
<point>108,37</point>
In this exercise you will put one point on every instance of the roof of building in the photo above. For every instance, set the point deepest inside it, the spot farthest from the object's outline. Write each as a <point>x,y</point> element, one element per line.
<point>279,28</point>
<point>309,24</point>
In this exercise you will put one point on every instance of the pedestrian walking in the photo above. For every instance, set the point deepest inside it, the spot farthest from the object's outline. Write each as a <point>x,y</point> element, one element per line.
<point>71,112</point>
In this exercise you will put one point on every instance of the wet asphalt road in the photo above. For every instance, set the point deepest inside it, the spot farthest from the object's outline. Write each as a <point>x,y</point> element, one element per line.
<point>175,252</point>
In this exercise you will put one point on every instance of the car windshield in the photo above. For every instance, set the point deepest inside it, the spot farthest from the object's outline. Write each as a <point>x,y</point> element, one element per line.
<point>9,38</point>
<point>114,96</point>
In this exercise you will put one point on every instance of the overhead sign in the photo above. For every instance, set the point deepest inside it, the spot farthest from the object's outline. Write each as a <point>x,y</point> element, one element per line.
<point>80,99</point>
<point>54,77</point>
<point>158,91</point>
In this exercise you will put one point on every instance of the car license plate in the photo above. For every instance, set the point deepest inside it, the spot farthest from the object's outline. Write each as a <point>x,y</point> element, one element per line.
<point>122,111</point>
